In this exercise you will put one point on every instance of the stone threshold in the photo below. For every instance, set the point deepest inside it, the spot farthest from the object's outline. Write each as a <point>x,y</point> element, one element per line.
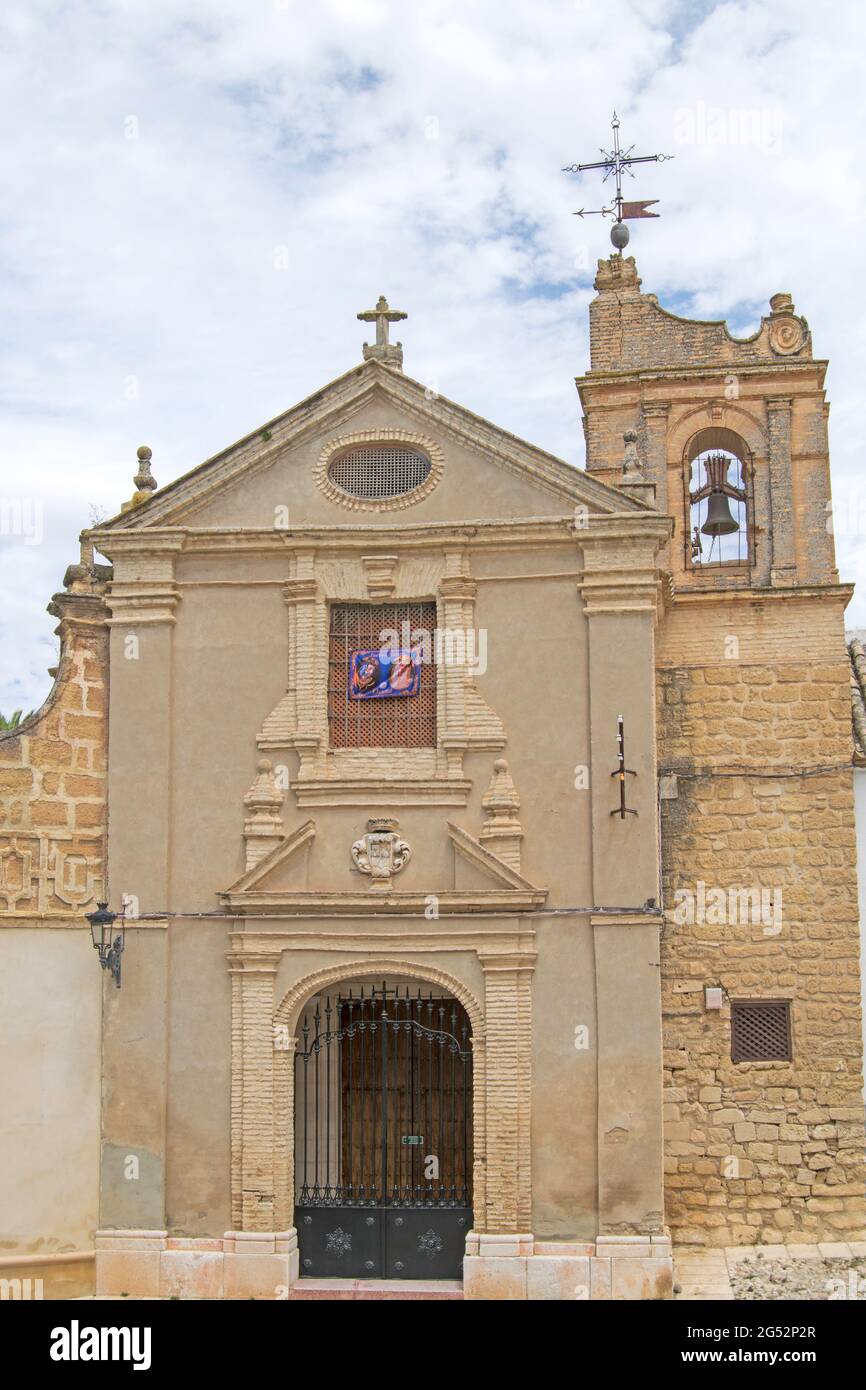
<point>359,1290</point>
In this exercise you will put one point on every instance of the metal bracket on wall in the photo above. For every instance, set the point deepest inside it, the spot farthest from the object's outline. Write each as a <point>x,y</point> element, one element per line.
<point>621,772</point>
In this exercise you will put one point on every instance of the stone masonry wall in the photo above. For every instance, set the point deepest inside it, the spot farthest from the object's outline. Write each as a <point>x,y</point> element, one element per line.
<point>53,778</point>
<point>761,1152</point>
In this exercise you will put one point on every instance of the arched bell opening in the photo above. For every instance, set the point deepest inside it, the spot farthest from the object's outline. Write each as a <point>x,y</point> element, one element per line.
<point>718,500</point>
<point>383,1131</point>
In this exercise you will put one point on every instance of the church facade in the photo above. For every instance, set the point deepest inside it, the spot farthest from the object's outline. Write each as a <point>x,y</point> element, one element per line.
<point>483,830</point>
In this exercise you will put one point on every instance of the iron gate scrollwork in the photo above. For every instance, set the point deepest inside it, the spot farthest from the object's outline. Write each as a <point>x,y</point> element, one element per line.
<point>383,1099</point>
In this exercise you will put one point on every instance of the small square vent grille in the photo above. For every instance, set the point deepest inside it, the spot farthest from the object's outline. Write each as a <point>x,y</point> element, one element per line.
<point>376,471</point>
<point>760,1031</point>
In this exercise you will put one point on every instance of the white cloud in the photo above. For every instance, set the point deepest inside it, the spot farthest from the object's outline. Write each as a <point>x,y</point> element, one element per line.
<point>158,161</point>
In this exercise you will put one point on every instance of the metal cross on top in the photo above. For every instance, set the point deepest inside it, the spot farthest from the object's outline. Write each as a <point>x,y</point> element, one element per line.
<point>383,351</point>
<point>617,161</point>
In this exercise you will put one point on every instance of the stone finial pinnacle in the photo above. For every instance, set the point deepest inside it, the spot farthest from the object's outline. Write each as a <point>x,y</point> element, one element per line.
<point>502,832</point>
<point>144,479</point>
<point>145,483</point>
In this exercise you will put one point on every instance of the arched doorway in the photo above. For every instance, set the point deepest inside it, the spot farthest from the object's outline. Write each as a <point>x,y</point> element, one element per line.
<point>383,1131</point>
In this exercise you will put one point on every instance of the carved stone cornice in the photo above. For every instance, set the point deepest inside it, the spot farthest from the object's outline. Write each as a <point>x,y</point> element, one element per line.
<point>459,588</point>
<point>503,535</point>
<point>508,937</point>
<point>125,544</point>
<point>450,903</point>
<point>134,604</point>
<point>372,790</point>
<point>78,610</point>
<point>622,577</point>
<point>301,590</point>
<point>493,961</point>
<point>143,590</point>
<point>262,963</point>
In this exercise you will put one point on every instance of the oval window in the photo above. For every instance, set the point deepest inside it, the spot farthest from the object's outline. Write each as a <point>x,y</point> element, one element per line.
<point>375,471</point>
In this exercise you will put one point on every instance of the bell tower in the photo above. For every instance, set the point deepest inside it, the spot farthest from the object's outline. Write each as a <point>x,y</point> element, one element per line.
<point>753,734</point>
<point>731,434</point>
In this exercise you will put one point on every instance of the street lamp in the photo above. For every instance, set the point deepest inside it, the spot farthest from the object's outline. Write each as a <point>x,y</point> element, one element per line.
<point>101,923</point>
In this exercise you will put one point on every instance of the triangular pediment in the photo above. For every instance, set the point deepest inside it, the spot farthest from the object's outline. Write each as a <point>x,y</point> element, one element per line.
<point>283,851</point>
<point>488,866</point>
<point>274,886</point>
<point>497,470</point>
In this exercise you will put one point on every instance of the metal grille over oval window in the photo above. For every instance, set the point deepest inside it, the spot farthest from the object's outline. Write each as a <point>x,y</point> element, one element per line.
<point>379,471</point>
<point>760,1031</point>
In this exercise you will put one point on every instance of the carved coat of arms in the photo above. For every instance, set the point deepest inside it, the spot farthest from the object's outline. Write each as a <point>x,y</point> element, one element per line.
<point>381,853</point>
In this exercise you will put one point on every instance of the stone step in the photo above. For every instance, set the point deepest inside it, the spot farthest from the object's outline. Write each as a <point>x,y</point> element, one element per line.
<point>359,1290</point>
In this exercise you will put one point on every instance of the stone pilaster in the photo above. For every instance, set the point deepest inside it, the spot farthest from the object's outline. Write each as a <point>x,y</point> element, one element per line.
<point>619,586</point>
<point>307,692</point>
<point>508,1015</point>
<point>783,571</point>
<point>456,608</point>
<point>135,1063</point>
<point>142,601</point>
<point>253,1092</point>
<point>629,1048</point>
<point>619,591</point>
<point>655,429</point>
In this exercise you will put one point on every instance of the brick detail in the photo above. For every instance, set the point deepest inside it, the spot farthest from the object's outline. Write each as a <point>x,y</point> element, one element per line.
<point>508,1007</point>
<point>253,1093</point>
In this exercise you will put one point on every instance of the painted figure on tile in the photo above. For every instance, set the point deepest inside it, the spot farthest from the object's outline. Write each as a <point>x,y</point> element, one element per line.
<point>376,675</point>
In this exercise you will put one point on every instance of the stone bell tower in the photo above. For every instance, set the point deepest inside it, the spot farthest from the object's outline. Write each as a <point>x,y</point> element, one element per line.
<point>689,389</point>
<point>760,945</point>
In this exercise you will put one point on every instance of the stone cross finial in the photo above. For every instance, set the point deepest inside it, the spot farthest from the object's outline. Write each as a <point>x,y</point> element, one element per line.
<point>383,351</point>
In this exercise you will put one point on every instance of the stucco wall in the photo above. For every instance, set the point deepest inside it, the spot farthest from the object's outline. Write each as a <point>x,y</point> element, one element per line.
<point>52,868</point>
<point>50,1008</point>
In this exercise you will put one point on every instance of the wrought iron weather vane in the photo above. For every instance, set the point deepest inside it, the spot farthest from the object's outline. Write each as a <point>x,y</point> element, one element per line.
<point>616,162</point>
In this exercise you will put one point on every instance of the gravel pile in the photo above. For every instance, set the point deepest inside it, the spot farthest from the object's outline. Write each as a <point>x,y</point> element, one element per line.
<point>762,1280</point>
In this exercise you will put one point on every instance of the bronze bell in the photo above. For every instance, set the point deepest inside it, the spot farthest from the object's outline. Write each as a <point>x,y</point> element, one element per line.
<point>719,521</point>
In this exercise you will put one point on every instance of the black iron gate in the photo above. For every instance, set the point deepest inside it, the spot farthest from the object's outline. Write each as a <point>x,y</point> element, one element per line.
<point>383,1147</point>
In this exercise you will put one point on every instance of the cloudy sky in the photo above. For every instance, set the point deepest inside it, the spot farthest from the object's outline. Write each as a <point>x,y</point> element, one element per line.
<point>197,200</point>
